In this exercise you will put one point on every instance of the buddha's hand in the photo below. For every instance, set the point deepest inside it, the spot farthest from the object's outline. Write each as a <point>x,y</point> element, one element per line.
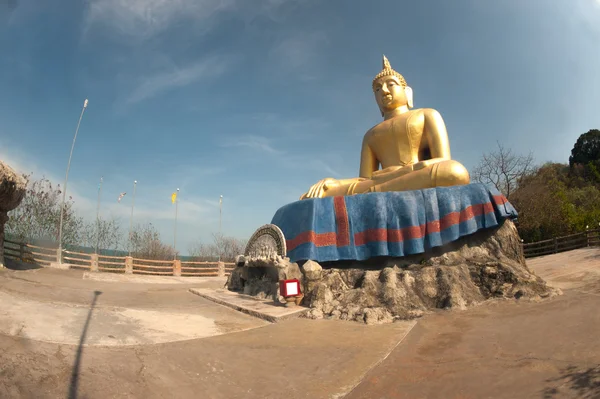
<point>318,189</point>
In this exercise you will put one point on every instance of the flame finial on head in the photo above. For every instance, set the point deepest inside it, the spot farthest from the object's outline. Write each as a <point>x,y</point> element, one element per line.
<point>388,71</point>
<point>386,63</point>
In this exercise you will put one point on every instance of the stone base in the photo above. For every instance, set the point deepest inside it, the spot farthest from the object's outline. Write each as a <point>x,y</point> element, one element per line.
<point>485,265</point>
<point>488,264</point>
<point>260,277</point>
<point>56,265</point>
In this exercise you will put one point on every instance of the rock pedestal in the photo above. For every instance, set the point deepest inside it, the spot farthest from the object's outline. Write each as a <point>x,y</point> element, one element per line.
<point>485,265</point>
<point>488,264</point>
<point>260,277</point>
<point>378,257</point>
<point>12,191</point>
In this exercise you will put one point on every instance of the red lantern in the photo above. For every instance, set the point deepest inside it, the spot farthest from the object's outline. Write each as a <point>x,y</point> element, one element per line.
<point>289,288</point>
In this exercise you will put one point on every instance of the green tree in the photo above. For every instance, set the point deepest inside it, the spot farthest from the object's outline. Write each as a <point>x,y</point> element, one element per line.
<point>37,217</point>
<point>586,149</point>
<point>543,204</point>
<point>227,248</point>
<point>145,243</point>
<point>552,202</point>
<point>585,157</point>
<point>106,233</point>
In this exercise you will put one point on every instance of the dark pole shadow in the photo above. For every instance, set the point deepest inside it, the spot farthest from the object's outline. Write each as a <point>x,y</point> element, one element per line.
<point>77,364</point>
<point>584,383</point>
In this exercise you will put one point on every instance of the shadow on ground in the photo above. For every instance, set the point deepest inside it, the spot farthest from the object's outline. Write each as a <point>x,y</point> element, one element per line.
<point>17,265</point>
<point>584,384</point>
<point>74,383</point>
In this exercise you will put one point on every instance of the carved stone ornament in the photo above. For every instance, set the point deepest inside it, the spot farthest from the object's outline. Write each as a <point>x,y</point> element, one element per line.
<point>266,242</point>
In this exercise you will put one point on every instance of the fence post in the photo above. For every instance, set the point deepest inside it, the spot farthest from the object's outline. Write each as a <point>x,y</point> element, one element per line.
<point>21,251</point>
<point>587,235</point>
<point>94,265</point>
<point>221,269</point>
<point>555,245</point>
<point>59,256</point>
<point>177,268</point>
<point>128,265</point>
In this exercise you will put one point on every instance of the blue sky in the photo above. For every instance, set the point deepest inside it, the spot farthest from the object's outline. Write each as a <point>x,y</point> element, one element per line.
<point>257,100</point>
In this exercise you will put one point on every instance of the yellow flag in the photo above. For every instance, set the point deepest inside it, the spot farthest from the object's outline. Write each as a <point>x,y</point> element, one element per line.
<point>174,197</point>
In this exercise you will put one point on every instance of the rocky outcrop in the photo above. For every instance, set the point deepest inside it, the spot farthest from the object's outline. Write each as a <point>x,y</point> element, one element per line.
<point>12,191</point>
<point>260,277</point>
<point>488,264</point>
<point>485,265</point>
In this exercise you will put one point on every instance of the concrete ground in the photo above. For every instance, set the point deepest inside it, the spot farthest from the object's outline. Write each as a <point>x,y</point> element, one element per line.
<point>140,338</point>
<point>549,349</point>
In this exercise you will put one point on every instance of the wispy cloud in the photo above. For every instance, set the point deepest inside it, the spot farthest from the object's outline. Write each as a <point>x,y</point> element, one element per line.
<point>152,85</point>
<point>253,142</point>
<point>265,146</point>
<point>142,19</point>
<point>299,53</point>
<point>6,9</point>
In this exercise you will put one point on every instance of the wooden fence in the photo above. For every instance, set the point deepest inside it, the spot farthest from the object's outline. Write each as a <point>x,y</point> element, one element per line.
<point>555,245</point>
<point>44,256</point>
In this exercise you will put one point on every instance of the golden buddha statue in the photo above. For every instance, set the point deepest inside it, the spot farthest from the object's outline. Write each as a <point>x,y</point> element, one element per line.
<point>410,145</point>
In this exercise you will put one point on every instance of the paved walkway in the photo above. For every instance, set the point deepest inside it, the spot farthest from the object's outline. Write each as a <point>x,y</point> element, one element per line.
<point>141,340</point>
<point>52,305</point>
<point>505,349</point>
<point>169,343</point>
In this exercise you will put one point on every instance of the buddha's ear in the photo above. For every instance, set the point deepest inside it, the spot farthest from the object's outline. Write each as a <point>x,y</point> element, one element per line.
<point>409,96</point>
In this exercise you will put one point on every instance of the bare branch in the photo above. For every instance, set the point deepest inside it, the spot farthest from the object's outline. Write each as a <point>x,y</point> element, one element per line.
<point>503,169</point>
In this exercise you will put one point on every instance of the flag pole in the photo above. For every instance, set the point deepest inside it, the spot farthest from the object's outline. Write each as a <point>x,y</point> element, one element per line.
<point>131,217</point>
<point>98,215</point>
<point>175,229</point>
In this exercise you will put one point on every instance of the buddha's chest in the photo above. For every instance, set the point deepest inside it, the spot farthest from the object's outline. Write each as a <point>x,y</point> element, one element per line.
<point>398,140</point>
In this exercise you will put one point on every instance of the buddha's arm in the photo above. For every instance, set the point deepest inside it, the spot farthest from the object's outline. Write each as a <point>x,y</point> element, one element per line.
<point>437,139</point>
<point>368,160</point>
<point>330,187</point>
<point>437,135</point>
<point>368,164</point>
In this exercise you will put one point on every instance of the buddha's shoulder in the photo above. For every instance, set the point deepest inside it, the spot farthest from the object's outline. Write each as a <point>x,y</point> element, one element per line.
<point>425,112</point>
<point>430,113</point>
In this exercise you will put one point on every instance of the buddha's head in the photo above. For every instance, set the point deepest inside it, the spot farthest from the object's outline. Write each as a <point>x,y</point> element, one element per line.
<point>390,89</point>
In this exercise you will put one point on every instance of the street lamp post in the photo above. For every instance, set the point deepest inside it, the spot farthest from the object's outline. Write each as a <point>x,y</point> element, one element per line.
<point>62,205</point>
<point>220,225</point>
<point>98,216</point>
<point>220,213</point>
<point>175,228</point>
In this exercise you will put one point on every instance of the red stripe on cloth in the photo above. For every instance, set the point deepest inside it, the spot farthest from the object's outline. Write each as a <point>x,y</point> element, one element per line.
<point>413,232</point>
<point>458,217</point>
<point>319,240</point>
<point>388,235</point>
<point>341,221</point>
<point>342,238</point>
<point>500,199</point>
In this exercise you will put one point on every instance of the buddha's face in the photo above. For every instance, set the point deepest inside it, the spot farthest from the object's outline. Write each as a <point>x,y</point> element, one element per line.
<point>389,93</point>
